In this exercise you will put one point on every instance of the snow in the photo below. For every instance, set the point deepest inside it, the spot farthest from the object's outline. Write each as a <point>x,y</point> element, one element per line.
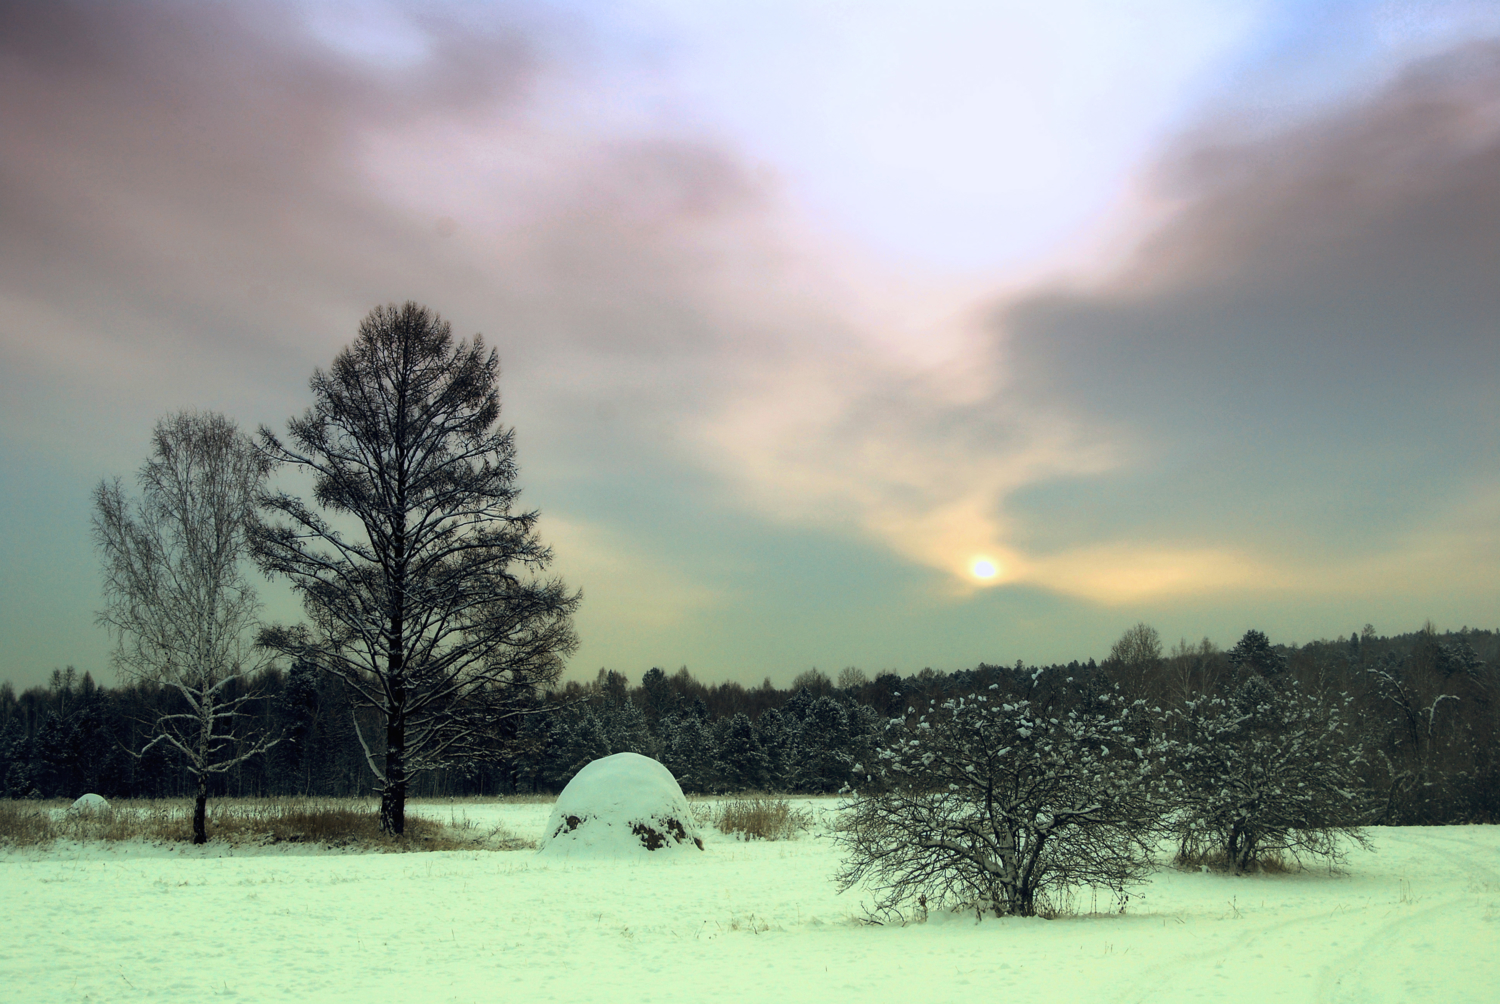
<point>1414,922</point>
<point>88,805</point>
<point>621,805</point>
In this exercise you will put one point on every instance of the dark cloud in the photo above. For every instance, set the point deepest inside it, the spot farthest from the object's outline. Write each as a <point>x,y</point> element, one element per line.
<point>212,179</point>
<point>1306,355</point>
<point>151,140</point>
<point>200,201</point>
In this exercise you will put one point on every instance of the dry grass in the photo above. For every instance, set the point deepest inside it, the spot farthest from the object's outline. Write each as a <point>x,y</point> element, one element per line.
<point>327,823</point>
<point>1194,857</point>
<point>26,823</point>
<point>761,817</point>
<point>496,838</point>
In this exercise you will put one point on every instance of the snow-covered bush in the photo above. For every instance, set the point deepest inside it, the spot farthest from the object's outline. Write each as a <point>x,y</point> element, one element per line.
<point>1003,805</point>
<point>1266,772</point>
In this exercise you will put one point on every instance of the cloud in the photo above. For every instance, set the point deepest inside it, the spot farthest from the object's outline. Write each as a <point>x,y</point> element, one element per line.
<point>1287,389</point>
<point>210,197</point>
<point>1293,372</point>
<point>645,594</point>
<point>183,177</point>
<point>1303,357</point>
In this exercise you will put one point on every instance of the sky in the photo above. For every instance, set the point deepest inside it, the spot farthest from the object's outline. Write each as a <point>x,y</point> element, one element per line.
<point>874,334</point>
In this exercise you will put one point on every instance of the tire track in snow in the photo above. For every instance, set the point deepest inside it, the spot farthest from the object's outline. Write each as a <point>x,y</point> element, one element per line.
<point>1207,967</point>
<point>1420,954</point>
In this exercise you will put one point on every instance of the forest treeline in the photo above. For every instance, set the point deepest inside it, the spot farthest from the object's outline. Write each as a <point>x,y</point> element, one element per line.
<point>1425,707</point>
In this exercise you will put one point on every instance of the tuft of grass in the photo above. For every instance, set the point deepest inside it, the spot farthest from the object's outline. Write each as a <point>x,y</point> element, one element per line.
<point>760,818</point>
<point>497,838</point>
<point>326,823</point>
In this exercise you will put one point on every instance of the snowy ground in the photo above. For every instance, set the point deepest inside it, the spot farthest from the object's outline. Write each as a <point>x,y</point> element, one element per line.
<point>1413,922</point>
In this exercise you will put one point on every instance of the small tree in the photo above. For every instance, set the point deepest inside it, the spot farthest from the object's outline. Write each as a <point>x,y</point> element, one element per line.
<point>424,596</point>
<point>1266,772</point>
<point>1254,654</point>
<point>1004,806</point>
<point>176,594</point>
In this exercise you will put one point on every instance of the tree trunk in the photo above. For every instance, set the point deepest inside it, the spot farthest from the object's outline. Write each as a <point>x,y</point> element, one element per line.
<point>393,795</point>
<point>1241,848</point>
<point>393,806</point>
<point>200,811</point>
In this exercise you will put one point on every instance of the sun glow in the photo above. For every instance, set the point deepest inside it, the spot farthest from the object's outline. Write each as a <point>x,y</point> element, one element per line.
<point>983,568</point>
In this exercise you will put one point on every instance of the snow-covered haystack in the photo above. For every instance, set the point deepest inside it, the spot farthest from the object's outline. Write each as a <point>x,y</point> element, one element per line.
<point>619,806</point>
<point>89,805</point>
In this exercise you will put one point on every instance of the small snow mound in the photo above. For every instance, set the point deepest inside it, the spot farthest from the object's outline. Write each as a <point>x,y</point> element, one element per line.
<point>89,805</point>
<point>617,806</point>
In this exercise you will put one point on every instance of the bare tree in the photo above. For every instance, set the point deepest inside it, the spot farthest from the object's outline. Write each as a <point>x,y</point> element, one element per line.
<point>1135,661</point>
<point>852,678</point>
<point>1003,805</point>
<point>1138,648</point>
<point>1267,772</point>
<point>1191,671</point>
<point>814,681</point>
<point>425,598</point>
<point>176,593</point>
<point>1422,695</point>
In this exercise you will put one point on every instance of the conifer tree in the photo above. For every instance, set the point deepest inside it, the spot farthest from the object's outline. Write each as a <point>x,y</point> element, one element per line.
<point>421,578</point>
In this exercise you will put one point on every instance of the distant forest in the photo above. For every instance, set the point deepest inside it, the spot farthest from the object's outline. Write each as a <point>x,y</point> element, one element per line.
<point>1427,711</point>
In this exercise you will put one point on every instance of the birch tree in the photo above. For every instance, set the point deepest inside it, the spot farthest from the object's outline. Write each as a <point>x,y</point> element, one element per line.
<point>177,597</point>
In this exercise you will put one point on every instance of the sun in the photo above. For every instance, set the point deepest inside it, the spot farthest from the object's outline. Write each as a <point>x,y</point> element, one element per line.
<point>983,568</point>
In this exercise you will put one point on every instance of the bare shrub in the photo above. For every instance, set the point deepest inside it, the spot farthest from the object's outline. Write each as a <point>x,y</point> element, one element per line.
<point>1269,775</point>
<point>1195,855</point>
<point>760,818</point>
<point>1005,807</point>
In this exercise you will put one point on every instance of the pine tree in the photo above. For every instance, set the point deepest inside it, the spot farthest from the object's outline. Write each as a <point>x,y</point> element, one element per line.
<point>689,752</point>
<point>626,728</point>
<point>821,759</point>
<point>776,742</point>
<point>741,763</point>
<point>577,739</point>
<point>1253,654</point>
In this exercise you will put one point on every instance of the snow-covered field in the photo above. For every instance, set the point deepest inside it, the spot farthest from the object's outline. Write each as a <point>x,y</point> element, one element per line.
<point>1415,921</point>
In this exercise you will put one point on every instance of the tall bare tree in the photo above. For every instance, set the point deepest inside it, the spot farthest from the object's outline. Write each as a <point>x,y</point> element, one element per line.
<point>176,593</point>
<point>421,582</point>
